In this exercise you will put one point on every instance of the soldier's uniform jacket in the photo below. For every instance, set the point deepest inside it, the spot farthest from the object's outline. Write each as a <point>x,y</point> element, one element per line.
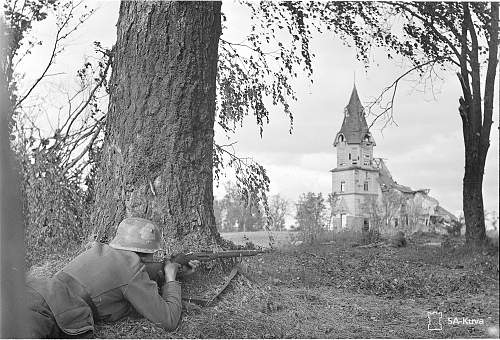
<point>104,283</point>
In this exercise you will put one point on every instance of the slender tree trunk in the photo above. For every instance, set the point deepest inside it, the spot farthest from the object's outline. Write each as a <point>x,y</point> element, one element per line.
<point>157,154</point>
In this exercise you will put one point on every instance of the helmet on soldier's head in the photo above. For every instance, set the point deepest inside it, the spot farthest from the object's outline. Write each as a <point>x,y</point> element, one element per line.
<point>136,234</point>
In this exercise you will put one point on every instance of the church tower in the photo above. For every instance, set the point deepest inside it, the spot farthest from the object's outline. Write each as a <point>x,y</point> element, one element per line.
<point>354,180</point>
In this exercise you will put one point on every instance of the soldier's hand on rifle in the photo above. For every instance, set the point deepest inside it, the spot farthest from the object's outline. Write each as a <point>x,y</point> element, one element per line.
<point>191,268</point>
<point>171,269</point>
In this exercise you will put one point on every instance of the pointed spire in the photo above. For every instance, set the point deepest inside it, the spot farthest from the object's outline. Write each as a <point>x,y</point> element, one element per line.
<point>354,127</point>
<point>354,105</point>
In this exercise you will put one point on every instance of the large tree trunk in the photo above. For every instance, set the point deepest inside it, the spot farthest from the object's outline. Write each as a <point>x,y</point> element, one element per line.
<point>476,120</point>
<point>475,158</point>
<point>475,231</point>
<point>157,155</point>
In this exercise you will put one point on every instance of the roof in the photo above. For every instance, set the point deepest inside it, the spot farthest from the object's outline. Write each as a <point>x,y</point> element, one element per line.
<point>387,182</point>
<point>354,127</point>
<point>443,212</point>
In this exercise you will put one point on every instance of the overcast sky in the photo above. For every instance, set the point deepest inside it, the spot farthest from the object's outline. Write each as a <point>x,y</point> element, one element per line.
<point>425,150</point>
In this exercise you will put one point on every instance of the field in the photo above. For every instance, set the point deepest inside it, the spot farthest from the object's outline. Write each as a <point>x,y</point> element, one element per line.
<point>282,239</point>
<point>334,290</point>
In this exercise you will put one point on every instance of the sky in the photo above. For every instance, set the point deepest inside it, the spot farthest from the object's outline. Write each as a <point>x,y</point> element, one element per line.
<point>424,150</point>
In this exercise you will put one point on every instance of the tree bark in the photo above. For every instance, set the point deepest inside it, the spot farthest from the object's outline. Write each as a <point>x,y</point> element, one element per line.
<point>475,231</point>
<point>157,154</point>
<point>476,122</point>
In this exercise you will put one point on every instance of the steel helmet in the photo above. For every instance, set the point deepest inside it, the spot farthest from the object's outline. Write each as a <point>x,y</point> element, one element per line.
<point>137,234</point>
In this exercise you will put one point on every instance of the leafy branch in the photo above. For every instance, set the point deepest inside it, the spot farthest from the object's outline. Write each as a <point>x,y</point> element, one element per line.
<point>251,177</point>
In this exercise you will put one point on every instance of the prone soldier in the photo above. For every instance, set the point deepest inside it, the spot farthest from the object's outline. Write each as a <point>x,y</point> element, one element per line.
<point>106,282</point>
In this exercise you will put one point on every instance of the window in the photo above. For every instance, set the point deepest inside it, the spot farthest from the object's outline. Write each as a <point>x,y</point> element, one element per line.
<point>365,186</point>
<point>341,138</point>
<point>349,156</point>
<point>366,225</point>
<point>342,186</point>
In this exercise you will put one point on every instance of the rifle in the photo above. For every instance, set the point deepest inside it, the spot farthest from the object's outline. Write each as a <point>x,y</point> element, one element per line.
<point>154,268</point>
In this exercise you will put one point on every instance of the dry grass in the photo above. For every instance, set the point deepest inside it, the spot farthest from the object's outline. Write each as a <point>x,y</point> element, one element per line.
<point>262,238</point>
<point>285,239</point>
<point>337,291</point>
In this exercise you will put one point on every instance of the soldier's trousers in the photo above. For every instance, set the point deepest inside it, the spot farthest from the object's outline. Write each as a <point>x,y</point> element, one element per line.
<point>41,321</point>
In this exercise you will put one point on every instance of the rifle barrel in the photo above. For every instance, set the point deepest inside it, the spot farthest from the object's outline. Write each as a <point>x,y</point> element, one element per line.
<point>155,266</point>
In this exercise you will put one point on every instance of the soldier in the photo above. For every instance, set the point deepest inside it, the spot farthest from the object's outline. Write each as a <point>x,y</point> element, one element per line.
<point>106,282</point>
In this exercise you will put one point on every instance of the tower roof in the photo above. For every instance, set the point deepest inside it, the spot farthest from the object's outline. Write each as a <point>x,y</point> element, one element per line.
<point>354,127</point>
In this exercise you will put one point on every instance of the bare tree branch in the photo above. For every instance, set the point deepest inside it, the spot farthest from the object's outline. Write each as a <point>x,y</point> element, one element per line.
<point>60,36</point>
<point>90,97</point>
<point>49,64</point>
<point>393,86</point>
<point>89,145</point>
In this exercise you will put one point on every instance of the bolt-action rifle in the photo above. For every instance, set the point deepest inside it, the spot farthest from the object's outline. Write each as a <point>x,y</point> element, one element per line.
<point>155,267</point>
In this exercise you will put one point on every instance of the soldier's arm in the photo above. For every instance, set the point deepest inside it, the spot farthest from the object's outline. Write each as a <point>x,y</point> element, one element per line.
<point>164,310</point>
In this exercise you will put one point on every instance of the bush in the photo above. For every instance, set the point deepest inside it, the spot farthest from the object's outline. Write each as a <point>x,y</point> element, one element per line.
<point>370,236</point>
<point>53,204</point>
<point>454,228</point>
<point>310,217</point>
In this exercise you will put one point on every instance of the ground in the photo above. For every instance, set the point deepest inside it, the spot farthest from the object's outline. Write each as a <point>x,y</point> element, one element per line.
<point>335,290</point>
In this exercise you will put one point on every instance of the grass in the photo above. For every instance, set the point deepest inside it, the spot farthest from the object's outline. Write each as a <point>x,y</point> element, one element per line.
<point>262,238</point>
<point>334,290</point>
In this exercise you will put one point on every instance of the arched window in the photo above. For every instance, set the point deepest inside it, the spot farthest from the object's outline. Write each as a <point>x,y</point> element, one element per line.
<point>367,138</point>
<point>341,138</point>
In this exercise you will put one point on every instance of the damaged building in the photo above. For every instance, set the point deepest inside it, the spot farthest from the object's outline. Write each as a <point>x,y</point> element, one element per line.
<point>365,194</point>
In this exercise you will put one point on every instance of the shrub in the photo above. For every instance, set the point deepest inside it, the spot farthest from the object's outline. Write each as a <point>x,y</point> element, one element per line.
<point>310,217</point>
<point>53,203</point>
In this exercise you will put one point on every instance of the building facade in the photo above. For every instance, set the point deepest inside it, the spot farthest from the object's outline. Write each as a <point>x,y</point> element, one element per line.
<point>365,194</point>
